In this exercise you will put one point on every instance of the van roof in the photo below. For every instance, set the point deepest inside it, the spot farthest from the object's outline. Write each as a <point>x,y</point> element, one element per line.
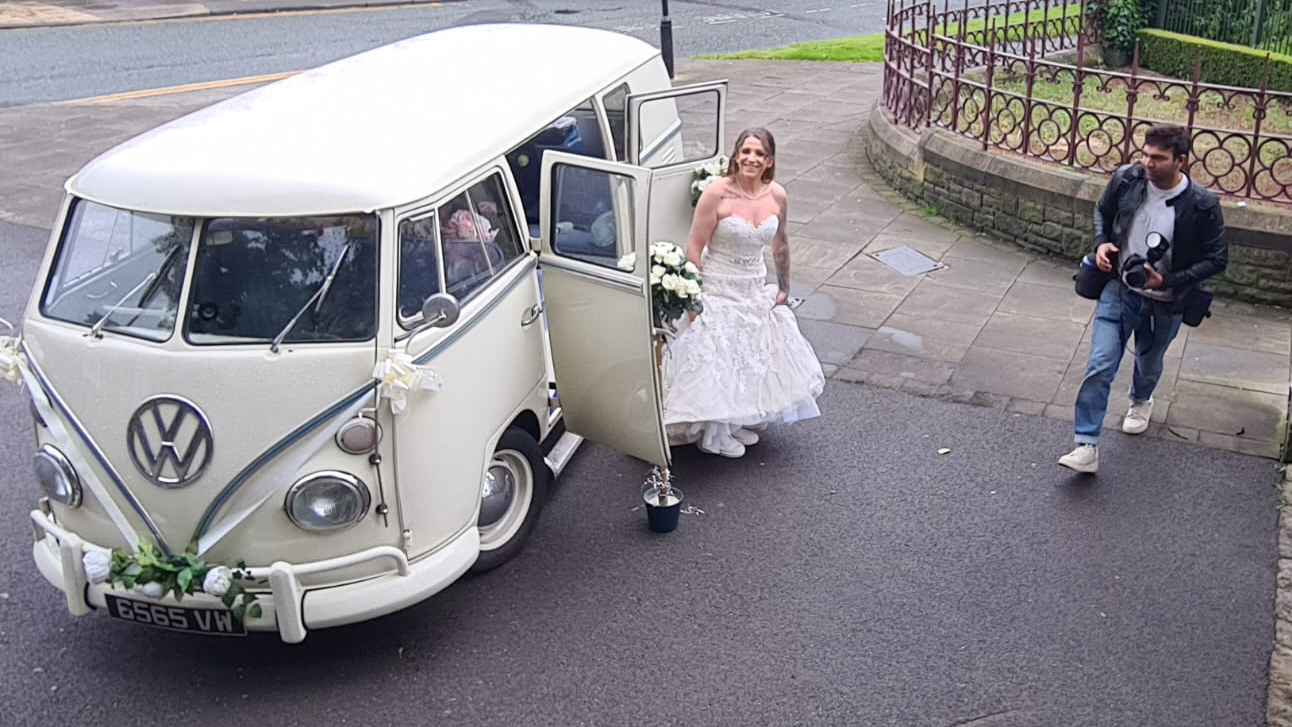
<point>378,129</point>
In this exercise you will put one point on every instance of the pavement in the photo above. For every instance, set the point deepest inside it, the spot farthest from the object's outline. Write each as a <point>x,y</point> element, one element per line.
<point>1169,629</point>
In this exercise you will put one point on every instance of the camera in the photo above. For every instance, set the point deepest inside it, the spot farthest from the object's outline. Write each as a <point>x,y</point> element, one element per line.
<point>1133,271</point>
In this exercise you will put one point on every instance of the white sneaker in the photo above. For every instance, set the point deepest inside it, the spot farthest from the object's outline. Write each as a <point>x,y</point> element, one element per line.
<point>745,436</point>
<point>1137,417</point>
<point>1085,458</point>
<point>731,448</point>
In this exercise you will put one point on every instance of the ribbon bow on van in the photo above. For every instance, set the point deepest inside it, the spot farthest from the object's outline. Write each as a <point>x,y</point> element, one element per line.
<point>398,375</point>
<point>12,359</point>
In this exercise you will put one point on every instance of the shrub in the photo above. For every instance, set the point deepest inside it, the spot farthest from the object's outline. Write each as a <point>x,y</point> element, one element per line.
<point>1119,21</point>
<point>1226,64</point>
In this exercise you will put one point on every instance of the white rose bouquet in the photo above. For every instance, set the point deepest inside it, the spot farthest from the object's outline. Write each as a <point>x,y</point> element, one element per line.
<point>704,176</point>
<point>674,283</point>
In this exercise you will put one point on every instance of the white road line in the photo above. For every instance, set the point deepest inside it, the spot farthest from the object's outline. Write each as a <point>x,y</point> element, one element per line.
<point>735,17</point>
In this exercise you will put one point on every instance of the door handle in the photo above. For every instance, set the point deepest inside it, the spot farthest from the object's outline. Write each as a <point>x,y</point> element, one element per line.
<point>531,315</point>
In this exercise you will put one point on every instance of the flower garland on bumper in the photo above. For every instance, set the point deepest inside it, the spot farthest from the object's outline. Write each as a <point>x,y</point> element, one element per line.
<point>154,575</point>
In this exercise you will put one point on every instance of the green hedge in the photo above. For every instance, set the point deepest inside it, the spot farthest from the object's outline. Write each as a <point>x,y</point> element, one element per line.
<point>1227,64</point>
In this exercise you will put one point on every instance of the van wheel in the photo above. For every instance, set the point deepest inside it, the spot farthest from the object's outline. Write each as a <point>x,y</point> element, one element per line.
<point>511,496</point>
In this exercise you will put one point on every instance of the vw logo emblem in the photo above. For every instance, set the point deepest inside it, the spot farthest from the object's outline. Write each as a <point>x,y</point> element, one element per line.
<point>169,441</point>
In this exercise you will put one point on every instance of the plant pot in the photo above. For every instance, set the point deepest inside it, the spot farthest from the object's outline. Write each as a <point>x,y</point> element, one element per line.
<point>662,517</point>
<point>1116,58</point>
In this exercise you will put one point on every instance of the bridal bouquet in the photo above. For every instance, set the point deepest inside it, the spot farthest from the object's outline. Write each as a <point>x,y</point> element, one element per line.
<point>674,282</point>
<point>704,176</point>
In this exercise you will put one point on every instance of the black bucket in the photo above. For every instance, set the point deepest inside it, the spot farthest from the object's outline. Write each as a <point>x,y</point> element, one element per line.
<point>663,517</point>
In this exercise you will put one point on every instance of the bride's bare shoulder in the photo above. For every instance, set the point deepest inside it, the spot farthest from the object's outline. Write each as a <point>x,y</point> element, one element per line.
<point>778,192</point>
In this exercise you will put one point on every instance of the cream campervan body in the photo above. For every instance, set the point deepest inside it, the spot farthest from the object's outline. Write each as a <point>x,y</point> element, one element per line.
<point>344,327</point>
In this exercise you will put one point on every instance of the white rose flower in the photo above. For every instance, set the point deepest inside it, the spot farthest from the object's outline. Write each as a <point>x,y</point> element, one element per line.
<point>670,282</point>
<point>217,581</point>
<point>673,259</point>
<point>628,262</point>
<point>97,564</point>
<point>657,270</point>
<point>151,590</point>
<point>656,278</point>
<point>692,288</point>
<point>691,268</point>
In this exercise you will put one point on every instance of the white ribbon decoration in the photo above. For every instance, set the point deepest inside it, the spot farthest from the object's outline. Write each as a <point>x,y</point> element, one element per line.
<point>12,361</point>
<point>14,367</point>
<point>397,376</point>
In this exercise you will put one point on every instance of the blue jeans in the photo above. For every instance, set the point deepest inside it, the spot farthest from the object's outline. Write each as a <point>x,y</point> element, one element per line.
<point>1119,313</point>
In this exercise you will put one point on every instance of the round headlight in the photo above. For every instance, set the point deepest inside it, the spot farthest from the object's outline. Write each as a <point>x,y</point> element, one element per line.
<point>327,501</point>
<point>57,477</point>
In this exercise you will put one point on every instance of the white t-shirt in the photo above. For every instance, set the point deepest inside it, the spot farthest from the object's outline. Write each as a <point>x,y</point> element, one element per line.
<point>1153,216</point>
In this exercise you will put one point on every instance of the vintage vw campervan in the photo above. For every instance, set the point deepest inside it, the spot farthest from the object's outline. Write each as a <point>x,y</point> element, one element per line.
<point>346,326</point>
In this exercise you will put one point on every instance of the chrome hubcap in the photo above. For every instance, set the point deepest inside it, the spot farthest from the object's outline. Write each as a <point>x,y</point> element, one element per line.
<point>497,492</point>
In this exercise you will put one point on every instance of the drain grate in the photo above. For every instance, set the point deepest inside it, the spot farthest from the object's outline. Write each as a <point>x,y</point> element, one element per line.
<point>907,260</point>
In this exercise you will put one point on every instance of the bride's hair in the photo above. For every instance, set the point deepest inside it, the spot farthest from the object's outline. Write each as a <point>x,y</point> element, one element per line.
<point>769,145</point>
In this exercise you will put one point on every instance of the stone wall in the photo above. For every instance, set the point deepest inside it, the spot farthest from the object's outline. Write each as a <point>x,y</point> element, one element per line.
<point>1049,208</point>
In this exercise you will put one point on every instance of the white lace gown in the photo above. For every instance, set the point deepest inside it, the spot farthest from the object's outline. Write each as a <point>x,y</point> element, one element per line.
<point>742,362</point>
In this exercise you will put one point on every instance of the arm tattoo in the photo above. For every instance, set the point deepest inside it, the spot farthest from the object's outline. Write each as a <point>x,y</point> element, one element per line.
<point>782,257</point>
<point>781,254</point>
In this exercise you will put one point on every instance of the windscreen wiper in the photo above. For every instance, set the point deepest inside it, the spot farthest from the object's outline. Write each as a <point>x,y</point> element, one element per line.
<point>96,330</point>
<point>318,296</point>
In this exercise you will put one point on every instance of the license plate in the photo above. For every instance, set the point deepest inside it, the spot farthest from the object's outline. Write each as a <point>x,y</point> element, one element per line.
<point>217,621</point>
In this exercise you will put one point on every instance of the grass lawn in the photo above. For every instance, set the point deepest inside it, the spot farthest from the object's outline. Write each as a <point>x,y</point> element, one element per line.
<point>868,47</point>
<point>1215,111</point>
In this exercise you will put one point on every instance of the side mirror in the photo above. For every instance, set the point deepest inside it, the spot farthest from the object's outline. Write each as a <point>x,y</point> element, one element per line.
<point>440,310</point>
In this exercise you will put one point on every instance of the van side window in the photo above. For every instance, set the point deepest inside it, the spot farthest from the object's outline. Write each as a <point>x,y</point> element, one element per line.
<point>616,105</point>
<point>419,267</point>
<point>477,236</point>
<point>678,129</point>
<point>576,132</point>
<point>583,215</point>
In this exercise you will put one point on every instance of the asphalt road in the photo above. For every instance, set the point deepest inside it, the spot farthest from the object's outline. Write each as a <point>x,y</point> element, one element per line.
<point>844,573</point>
<point>50,64</point>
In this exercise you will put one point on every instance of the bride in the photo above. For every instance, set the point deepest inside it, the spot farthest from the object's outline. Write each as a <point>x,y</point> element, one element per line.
<point>741,364</point>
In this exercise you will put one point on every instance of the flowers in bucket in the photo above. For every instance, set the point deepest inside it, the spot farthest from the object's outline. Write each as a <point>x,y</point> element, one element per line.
<point>704,176</point>
<point>675,283</point>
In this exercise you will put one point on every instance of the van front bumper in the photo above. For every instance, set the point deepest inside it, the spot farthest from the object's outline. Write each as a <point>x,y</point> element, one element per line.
<point>288,607</point>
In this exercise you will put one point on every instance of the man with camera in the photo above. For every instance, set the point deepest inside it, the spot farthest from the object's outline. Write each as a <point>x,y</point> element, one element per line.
<point>1158,235</point>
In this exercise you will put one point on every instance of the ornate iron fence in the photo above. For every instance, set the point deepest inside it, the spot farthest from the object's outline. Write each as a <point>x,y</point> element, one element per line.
<point>981,72</point>
<point>1263,24</point>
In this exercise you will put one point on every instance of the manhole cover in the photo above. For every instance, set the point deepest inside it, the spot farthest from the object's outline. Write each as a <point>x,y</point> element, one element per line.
<point>906,260</point>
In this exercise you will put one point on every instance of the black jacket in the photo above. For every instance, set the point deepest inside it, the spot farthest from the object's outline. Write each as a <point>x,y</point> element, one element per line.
<point>1198,250</point>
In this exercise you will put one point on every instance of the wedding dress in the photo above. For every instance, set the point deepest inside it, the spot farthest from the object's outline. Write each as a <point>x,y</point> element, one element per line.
<point>741,364</point>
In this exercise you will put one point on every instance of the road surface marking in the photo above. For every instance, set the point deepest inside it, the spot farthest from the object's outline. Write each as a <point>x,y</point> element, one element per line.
<point>183,88</point>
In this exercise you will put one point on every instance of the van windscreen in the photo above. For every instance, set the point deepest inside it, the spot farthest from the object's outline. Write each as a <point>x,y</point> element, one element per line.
<point>119,270</point>
<point>298,280</point>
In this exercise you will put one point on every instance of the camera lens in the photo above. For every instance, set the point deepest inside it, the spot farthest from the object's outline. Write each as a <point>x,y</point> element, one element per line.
<point>1136,278</point>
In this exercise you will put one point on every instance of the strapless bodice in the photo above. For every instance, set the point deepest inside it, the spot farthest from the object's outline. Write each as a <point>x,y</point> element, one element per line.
<point>737,241</point>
